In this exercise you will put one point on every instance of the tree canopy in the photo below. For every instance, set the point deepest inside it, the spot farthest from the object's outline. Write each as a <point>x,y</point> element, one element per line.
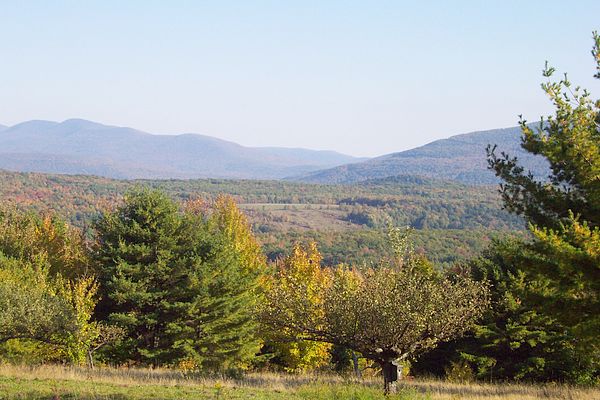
<point>387,313</point>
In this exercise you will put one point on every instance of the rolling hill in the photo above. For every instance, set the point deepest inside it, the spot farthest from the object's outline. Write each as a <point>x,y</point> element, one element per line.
<point>78,146</point>
<point>461,158</point>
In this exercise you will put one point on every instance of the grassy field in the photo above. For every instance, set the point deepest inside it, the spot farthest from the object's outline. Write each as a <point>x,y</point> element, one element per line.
<point>53,382</point>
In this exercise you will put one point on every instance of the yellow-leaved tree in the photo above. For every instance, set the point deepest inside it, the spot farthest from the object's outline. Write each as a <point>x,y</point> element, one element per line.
<point>301,273</point>
<point>226,217</point>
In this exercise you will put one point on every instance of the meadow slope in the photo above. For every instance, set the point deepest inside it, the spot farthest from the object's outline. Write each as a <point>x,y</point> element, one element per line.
<point>55,382</point>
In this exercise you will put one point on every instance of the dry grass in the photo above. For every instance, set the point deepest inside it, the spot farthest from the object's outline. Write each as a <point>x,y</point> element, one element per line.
<point>172,377</point>
<point>266,385</point>
<point>476,391</point>
<point>285,217</point>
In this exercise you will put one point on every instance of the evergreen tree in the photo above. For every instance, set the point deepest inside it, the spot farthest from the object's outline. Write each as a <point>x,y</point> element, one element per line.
<point>178,288</point>
<point>515,341</point>
<point>563,212</point>
<point>137,253</point>
<point>570,142</point>
<point>217,328</point>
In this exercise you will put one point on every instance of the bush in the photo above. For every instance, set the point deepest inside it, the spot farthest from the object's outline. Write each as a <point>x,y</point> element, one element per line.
<point>459,372</point>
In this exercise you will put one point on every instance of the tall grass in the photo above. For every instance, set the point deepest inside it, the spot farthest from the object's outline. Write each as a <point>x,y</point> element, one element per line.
<point>56,382</point>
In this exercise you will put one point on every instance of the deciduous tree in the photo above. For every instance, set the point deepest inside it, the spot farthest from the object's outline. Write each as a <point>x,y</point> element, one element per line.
<point>304,273</point>
<point>31,307</point>
<point>387,313</point>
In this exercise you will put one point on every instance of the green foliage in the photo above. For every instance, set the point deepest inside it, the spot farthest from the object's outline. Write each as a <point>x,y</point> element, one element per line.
<point>81,297</point>
<point>226,219</point>
<point>368,246</point>
<point>569,258</point>
<point>46,302</point>
<point>563,212</point>
<point>516,341</point>
<point>466,215</point>
<point>570,141</point>
<point>137,244</point>
<point>388,313</point>
<point>459,372</point>
<point>219,329</point>
<point>300,356</point>
<point>361,217</point>
<point>31,307</point>
<point>178,286</point>
<point>29,352</point>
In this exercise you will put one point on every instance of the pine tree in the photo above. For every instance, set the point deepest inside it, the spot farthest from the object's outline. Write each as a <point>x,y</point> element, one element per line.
<point>564,211</point>
<point>177,286</point>
<point>515,341</point>
<point>137,253</point>
<point>570,142</point>
<point>217,329</point>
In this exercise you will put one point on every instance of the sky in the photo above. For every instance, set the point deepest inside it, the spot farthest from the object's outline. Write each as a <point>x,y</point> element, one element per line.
<point>361,77</point>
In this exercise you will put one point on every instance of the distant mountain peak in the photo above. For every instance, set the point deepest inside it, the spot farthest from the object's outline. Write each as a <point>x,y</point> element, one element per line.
<point>83,124</point>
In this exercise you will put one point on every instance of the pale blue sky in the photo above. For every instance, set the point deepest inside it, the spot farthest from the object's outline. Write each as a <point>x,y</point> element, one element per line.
<point>361,77</point>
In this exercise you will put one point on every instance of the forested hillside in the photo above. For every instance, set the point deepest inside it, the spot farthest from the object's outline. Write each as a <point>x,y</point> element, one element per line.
<point>462,217</point>
<point>461,158</point>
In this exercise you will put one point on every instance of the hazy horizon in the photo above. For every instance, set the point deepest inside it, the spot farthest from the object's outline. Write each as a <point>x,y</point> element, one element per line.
<point>363,80</point>
<point>266,146</point>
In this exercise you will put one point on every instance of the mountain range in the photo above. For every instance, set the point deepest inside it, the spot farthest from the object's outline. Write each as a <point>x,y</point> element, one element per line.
<point>77,146</point>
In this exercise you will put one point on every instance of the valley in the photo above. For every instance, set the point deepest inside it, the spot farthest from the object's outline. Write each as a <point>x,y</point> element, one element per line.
<point>452,221</point>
